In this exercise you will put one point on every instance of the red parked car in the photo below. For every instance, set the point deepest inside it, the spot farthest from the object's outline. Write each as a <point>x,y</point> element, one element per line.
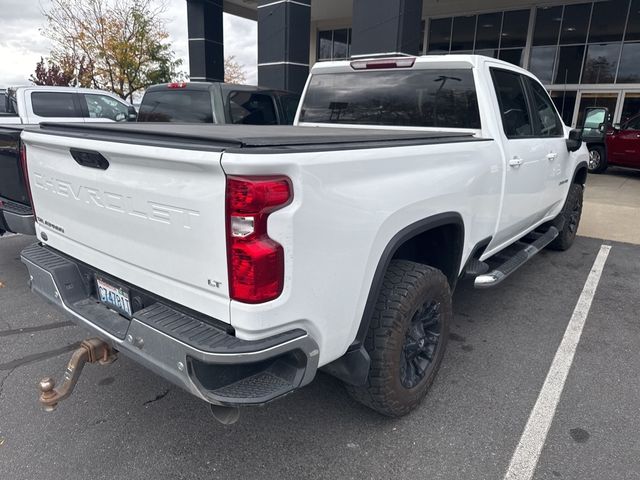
<point>608,144</point>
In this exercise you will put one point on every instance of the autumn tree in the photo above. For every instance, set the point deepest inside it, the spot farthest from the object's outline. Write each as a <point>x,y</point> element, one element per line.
<point>70,72</point>
<point>50,73</point>
<point>233,71</point>
<point>116,45</point>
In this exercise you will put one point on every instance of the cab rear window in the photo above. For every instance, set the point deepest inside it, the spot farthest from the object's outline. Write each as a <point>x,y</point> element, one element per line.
<point>188,106</point>
<point>417,98</point>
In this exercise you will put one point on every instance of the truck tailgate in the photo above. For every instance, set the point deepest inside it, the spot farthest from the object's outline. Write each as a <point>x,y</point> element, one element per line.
<point>154,217</point>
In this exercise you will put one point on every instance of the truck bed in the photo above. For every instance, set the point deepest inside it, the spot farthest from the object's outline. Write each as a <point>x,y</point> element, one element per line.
<point>258,137</point>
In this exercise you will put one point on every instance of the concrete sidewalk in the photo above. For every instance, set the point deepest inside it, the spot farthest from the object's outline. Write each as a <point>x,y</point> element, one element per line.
<point>612,206</point>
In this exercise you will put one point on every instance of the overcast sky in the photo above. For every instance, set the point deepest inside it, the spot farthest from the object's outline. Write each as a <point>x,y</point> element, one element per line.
<point>22,45</point>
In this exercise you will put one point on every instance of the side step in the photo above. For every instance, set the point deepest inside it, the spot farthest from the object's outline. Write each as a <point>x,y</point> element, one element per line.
<point>496,276</point>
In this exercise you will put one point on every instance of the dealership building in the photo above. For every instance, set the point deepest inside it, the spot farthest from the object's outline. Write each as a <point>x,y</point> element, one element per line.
<point>586,53</point>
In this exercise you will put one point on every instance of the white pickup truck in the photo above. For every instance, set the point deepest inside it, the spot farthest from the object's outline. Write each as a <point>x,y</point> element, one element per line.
<point>35,104</point>
<point>237,260</point>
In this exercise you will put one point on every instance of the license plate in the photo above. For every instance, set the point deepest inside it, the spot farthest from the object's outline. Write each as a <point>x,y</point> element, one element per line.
<point>114,297</point>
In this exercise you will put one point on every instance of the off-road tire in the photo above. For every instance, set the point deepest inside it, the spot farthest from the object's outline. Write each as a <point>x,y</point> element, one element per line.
<point>569,219</point>
<point>599,166</point>
<point>408,289</point>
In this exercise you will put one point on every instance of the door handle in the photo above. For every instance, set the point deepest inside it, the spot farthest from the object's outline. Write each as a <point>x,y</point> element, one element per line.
<point>515,162</point>
<point>552,156</point>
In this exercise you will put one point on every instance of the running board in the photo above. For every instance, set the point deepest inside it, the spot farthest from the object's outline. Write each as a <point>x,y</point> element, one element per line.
<point>496,276</point>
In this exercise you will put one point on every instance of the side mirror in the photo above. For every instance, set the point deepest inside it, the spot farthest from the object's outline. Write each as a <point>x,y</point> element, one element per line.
<point>132,114</point>
<point>574,142</point>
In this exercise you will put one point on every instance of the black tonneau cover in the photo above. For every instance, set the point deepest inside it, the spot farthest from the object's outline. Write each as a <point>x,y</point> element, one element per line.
<point>258,137</point>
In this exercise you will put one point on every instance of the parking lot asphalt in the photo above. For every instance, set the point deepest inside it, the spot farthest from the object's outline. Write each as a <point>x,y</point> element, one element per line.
<point>123,422</point>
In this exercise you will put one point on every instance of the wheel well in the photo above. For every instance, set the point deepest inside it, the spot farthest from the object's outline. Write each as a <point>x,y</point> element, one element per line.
<point>580,176</point>
<point>435,241</point>
<point>440,247</point>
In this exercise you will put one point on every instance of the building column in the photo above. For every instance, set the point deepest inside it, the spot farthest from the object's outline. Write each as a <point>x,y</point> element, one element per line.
<point>206,40</point>
<point>283,43</point>
<point>386,26</point>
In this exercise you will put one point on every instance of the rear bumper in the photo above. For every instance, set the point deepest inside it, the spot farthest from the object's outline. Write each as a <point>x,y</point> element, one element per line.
<point>196,355</point>
<point>16,217</point>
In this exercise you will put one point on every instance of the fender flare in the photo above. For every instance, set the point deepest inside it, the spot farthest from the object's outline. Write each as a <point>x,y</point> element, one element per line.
<point>582,166</point>
<point>353,366</point>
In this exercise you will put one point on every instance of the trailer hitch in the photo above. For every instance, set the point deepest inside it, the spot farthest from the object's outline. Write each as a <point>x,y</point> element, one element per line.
<point>91,350</point>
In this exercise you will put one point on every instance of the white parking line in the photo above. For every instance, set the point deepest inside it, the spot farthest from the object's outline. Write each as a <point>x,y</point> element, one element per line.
<point>525,458</point>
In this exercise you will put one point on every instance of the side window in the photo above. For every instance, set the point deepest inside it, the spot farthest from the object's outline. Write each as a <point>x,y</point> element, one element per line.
<point>54,104</point>
<point>513,104</point>
<point>104,106</point>
<point>289,107</point>
<point>251,108</point>
<point>633,124</point>
<point>550,123</point>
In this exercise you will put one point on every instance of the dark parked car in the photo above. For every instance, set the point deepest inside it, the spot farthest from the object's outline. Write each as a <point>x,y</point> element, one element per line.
<point>16,214</point>
<point>221,103</point>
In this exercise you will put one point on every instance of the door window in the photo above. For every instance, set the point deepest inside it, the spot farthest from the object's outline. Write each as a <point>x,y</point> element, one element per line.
<point>54,104</point>
<point>516,120</point>
<point>250,108</point>
<point>634,124</point>
<point>108,108</point>
<point>549,123</point>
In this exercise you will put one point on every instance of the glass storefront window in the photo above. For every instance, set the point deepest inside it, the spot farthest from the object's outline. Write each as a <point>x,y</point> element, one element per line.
<point>488,31</point>
<point>569,64</point>
<point>629,71</point>
<point>601,63</point>
<point>607,21</point>
<point>541,63</point>
<point>334,44</point>
<point>633,24</point>
<point>514,29</point>
<point>511,55</point>
<point>340,44</point>
<point>630,107</point>
<point>582,43</point>
<point>487,53</point>
<point>325,43</point>
<point>565,102</point>
<point>547,25</point>
<point>440,35</point>
<point>464,30</point>
<point>575,23</point>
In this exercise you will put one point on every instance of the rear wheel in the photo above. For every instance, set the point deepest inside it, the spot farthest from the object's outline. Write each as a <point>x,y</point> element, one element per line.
<point>597,159</point>
<point>569,218</point>
<point>407,338</point>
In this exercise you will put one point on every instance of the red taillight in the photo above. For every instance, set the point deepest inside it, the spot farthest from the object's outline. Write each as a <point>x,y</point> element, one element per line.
<point>25,174</point>
<point>256,262</point>
<point>177,85</point>
<point>402,62</point>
